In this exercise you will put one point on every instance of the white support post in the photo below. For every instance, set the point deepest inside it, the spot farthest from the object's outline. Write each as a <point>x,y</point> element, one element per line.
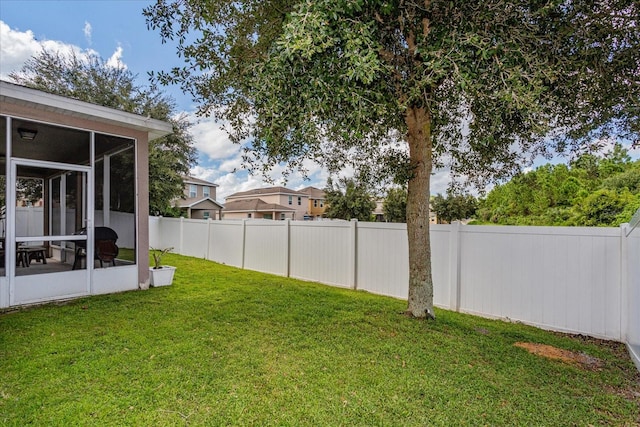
<point>353,256</point>
<point>106,191</point>
<point>624,282</point>
<point>181,241</point>
<point>9,248</point>
<point>244,241</point>
<point>454,266</point>
<point>207,252</point>
<point>287,236</point>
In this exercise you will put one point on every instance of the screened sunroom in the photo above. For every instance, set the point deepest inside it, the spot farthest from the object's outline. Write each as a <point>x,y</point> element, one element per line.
<point>73,197</point>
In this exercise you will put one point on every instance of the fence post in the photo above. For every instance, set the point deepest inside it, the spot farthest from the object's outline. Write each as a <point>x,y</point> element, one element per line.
<point>624,281</point>
<point>244,241</point>
<point>287,236</point>
<point>454,266</point>
<point>181,240</point>
<point>353,255</point>
<point>206,252</point>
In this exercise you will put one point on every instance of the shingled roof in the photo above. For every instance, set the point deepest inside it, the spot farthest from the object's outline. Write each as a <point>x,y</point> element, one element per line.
<point>266,191</point>
<point>253,205</point>
<point>313,192</point>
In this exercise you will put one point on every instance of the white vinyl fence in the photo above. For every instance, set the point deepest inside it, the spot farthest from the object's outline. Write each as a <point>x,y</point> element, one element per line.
<point>631,286</point>
<point>30,220</point>
<point>572,279</point>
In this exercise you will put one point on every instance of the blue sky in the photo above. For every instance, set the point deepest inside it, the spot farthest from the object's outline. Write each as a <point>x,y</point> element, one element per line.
<point>116,31</point>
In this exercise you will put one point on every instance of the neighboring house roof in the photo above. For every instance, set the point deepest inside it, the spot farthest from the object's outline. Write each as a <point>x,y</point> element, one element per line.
<point>39,100</point>
<point>198,181</point>
<point>266,191</point>
<point>314,193</point>
<point>199,203</point>
<point>254,205</point>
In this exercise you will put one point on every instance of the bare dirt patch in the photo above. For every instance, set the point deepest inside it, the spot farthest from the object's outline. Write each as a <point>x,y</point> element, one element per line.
<point>551,352</point>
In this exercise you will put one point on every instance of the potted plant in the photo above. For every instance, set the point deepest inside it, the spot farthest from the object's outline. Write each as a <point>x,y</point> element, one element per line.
<point>160,275</point>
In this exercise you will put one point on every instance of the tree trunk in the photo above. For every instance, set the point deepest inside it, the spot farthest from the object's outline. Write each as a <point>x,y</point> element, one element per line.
<point>418,122</point>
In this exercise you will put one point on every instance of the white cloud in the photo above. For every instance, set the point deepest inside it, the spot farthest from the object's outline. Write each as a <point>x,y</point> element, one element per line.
<point>232,182</point>
<point>15,49</point>
<point>115,60</point>
<point>87,32</point>
<point>223,166</point>
<point>211,139</point>
<point>18,46</point>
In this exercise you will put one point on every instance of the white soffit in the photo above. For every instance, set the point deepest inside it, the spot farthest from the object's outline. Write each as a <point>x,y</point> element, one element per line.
<point>36,99</point>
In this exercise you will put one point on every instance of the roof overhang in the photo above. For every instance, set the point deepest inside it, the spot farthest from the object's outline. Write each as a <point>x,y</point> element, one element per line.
<point>36,99</point>
<point>193,202</point>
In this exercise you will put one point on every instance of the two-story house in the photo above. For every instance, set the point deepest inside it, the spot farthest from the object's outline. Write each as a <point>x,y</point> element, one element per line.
<point>199,200</point>
<point>277,203</point>
<point>317,205</point>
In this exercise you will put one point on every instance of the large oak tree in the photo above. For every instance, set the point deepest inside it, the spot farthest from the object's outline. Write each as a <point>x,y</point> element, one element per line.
<point>396,87</point>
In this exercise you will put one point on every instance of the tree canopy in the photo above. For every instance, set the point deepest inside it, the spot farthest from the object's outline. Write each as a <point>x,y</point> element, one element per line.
<point>348,199</point>
<point>90,79</point>
<point>393,88</point>
<point>590,191</point>
<point>454,207</point>
<point>395,205</point>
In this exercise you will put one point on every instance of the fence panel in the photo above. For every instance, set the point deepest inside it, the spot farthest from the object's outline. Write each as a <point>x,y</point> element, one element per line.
<point>29,221</point>
<point>226,242</point>
<point>266,246</point>
<point>383,259</point>
<point>560,278</point>
<point>322,251</point>
<point>155,231</point>
<point>123,223</point>
<point>170,236</point>
<point>195,238</point>
<point>440,265</point>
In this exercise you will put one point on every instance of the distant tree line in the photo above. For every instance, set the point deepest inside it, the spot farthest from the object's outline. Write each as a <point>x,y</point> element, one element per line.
<point>590,191</point>
<point>348,199</point>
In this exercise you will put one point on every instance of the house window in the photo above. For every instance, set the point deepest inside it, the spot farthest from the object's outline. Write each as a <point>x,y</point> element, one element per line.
<point>282,216</point>
<point>193,190</point>
<point>206,191</point>
<point>315,203</point>
<point>321,203</point>
<point>206,214</point>
<point>299,201</point>
<point>248,215</point>
<point>290,200</point>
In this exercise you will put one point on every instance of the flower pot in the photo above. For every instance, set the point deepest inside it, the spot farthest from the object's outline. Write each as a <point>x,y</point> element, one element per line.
<point>162,276</point>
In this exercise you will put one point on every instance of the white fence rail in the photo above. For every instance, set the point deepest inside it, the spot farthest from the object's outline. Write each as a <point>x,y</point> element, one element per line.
<point>572,279</point>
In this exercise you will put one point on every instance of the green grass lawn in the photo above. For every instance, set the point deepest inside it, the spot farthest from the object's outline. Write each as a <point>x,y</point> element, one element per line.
<point>224,346</point>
